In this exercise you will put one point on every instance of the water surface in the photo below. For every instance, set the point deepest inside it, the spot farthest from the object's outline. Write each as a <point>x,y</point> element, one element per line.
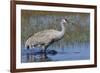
<point>76,51</point>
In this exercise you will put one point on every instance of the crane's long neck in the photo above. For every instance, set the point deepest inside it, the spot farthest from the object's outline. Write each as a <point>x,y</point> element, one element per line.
<point>62,32</point>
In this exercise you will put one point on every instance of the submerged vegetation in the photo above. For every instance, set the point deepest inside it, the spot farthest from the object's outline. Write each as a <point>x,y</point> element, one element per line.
<point>78,30</point>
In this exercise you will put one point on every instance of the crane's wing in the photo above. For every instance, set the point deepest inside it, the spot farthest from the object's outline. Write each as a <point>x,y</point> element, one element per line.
<point>46,33</point>
<point>45,36</point>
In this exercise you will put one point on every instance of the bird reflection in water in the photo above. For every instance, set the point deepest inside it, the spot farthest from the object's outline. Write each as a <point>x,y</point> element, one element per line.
<point>36,55</point>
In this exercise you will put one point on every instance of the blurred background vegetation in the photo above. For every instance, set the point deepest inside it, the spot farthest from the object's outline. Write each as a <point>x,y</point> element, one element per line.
<point>77,31</point>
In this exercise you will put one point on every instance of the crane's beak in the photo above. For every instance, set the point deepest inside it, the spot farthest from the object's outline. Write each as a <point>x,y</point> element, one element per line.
<point>69,22</point>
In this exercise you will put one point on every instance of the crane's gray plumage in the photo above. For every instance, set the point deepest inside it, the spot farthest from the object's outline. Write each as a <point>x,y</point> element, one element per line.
<point>44,38</point>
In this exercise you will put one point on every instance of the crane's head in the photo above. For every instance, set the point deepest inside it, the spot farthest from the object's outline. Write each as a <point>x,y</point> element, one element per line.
<point>64,21</point>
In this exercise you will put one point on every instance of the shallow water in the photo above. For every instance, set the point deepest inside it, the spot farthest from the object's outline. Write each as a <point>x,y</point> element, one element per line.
<point>66,53</point>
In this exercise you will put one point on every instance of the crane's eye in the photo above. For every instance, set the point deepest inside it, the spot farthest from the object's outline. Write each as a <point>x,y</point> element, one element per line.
<point>66,20</point>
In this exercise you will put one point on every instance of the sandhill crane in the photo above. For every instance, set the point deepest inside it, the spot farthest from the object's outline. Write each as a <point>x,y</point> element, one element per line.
<point>45,38</point>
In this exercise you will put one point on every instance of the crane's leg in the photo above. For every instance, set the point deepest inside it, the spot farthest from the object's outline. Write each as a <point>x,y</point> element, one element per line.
<point>44,51</point>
